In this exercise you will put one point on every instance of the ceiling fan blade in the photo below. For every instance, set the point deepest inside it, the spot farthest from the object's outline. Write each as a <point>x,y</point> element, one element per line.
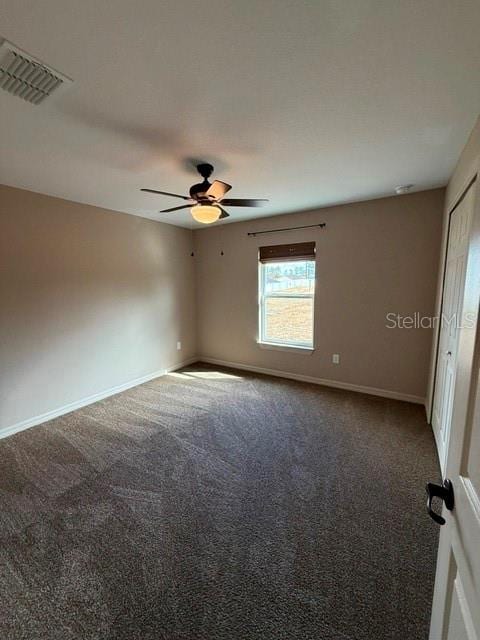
<point>217,190</point>
<point>224,214</point>
<point>183,206</point>
<point>244,202</point>
<point>166,193</point>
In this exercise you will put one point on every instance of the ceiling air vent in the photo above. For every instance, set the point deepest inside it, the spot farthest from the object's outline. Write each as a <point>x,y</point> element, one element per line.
<point>25,77</point>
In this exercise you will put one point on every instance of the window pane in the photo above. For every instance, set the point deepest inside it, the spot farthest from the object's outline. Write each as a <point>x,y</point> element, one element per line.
<point>288,320</point>
<point>287,290</point>
<point>289,277</point>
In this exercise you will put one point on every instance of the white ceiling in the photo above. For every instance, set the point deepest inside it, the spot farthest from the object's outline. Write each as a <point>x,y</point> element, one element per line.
<point>307,103</point>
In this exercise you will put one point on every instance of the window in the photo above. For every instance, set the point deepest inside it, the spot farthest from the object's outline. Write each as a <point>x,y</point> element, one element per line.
<point>286,294</point>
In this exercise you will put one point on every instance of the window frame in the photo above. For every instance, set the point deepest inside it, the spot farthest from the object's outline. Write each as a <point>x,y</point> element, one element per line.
<point>262,297</point>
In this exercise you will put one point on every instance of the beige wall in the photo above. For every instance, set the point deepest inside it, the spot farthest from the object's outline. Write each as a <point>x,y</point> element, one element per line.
<point>93,299</point>
<point>89,299</point>
<point>373,258</point>
<point>467,166</point>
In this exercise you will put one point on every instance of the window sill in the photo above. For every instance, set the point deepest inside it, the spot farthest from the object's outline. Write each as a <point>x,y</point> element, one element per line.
<point>285,347</point>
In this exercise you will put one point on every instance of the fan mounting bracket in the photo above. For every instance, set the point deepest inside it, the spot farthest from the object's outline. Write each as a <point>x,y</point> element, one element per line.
<point>205,170</point>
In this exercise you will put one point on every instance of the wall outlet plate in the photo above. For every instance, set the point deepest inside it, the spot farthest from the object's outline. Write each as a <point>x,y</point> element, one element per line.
<point>336,358</point>
<point>179,346</point>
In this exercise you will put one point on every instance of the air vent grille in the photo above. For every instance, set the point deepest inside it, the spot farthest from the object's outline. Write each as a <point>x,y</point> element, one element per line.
<point>26,77</point>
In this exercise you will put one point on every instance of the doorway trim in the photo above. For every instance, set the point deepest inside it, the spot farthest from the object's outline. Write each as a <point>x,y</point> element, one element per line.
<point>456,202</point>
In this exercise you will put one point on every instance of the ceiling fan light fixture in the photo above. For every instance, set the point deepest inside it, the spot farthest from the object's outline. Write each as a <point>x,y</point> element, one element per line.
<point>207,198</point>
<point>205,213</point>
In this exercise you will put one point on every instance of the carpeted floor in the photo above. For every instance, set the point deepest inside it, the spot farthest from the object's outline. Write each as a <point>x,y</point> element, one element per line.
<point>215,504</point>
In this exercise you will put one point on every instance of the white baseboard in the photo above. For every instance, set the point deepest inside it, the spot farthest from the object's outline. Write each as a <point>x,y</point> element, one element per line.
<point>73,406</point>
<point>384,393</point>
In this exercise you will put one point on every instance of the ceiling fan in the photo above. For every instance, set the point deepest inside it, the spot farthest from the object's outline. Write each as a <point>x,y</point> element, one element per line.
<point>207,199</point>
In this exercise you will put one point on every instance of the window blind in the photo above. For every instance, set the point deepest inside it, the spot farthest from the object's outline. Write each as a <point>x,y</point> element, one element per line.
<point>284,252</point>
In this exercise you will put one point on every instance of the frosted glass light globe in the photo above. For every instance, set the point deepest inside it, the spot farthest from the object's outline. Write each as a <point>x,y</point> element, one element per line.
<point>205,213</point>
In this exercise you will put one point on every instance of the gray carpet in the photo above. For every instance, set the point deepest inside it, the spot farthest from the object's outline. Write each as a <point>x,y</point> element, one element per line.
<point>206,506</point>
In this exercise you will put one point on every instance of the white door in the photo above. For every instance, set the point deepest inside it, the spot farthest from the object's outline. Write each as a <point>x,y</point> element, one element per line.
<point>456,603</point>
<point>454,281</point>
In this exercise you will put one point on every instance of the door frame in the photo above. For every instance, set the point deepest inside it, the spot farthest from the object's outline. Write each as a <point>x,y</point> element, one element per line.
<point>472,177</point>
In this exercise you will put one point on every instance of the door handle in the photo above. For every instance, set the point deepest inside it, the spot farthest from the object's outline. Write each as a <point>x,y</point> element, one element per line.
<point>445,493</point>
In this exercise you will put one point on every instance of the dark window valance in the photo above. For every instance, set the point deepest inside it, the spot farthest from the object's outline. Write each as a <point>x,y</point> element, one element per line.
<point>283,252</point>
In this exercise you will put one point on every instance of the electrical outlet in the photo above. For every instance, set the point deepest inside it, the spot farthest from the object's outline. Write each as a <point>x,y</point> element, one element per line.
<point>336,358</point>
<point>179,346</point>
